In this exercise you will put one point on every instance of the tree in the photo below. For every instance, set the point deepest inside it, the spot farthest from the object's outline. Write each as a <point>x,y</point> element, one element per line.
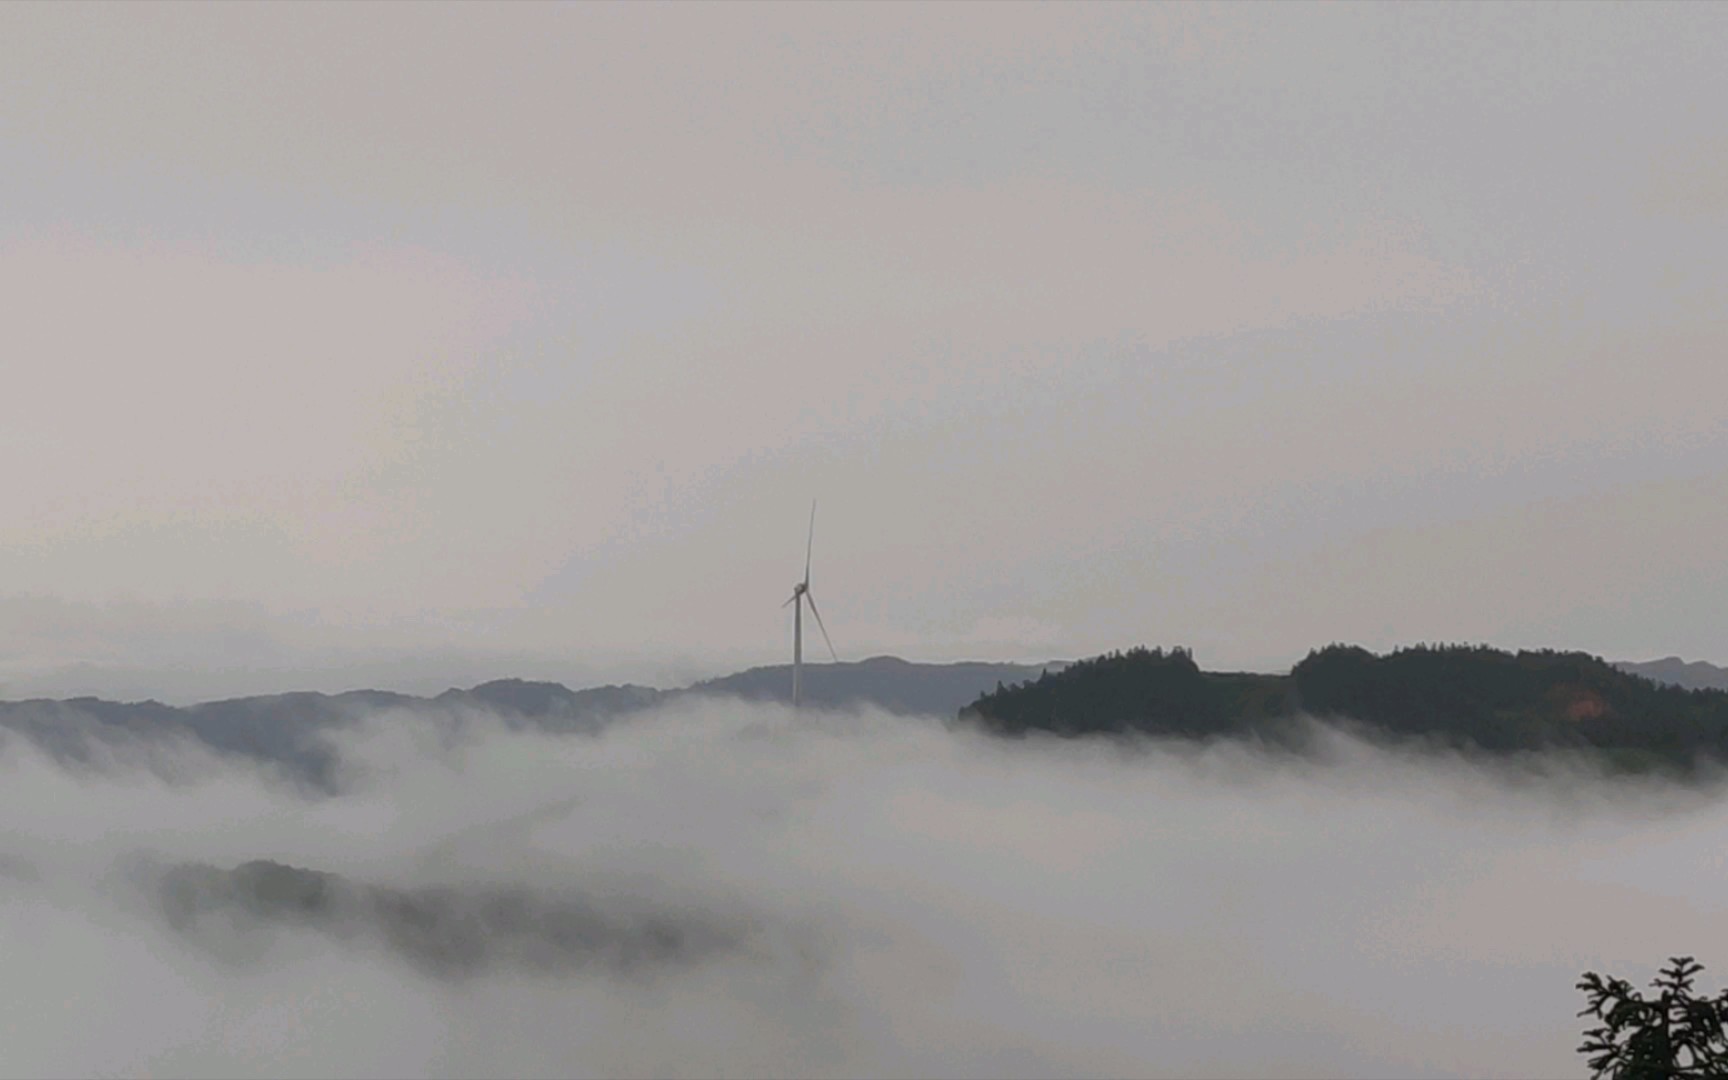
<point>1673,1036</point>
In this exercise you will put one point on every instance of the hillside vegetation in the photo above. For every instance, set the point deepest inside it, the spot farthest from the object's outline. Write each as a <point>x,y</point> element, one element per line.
<point>1470,697</point>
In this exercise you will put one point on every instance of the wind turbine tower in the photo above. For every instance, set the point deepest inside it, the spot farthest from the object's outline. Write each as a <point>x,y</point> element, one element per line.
<point>801,595</point>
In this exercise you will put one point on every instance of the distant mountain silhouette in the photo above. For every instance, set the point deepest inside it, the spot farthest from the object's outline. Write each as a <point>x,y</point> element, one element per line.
<point>290,731</point>
<point>1673,671</point>
<point>886,682</point>
<point>553,706</point>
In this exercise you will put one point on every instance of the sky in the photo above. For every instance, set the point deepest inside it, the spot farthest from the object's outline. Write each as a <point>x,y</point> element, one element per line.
<point>720,889</point>
<point>414,345</point>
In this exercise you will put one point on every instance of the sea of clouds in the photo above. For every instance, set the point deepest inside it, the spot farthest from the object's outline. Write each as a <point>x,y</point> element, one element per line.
<point>723,889</point>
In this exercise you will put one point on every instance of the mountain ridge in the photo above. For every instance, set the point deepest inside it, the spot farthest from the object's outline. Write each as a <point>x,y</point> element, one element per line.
<point>290,729</point>
<point>1673,671</point>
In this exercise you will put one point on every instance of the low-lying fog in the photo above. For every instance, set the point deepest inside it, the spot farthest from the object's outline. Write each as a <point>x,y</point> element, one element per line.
<point>721,889</point>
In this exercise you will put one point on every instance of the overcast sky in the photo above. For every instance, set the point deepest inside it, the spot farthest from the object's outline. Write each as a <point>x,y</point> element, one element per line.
<point>424,344</point>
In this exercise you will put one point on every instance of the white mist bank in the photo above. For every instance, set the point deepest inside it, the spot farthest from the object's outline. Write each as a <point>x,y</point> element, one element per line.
<point>721,889</point>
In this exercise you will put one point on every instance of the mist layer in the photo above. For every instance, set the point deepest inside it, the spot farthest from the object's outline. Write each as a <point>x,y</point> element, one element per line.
<point>723,889</point>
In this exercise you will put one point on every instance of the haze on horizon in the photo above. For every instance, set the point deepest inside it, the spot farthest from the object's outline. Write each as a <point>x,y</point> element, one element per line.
<point>411,346</point>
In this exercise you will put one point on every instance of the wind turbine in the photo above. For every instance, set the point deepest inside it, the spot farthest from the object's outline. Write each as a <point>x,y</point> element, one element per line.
<point>801,595</point>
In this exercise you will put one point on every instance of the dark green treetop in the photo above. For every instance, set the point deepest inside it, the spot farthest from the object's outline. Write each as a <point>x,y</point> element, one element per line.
<point>1671,1036</point>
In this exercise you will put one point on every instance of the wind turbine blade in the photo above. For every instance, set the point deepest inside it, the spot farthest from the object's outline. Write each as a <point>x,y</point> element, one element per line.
<point>820,627</point>
<point>810,543</point>
<point>788,603</point>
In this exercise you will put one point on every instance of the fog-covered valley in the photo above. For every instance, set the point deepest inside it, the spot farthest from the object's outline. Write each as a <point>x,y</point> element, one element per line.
<point>721,888</point>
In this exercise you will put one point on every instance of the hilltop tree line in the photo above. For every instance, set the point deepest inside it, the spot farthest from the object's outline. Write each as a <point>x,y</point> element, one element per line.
<point>1464,696</point>
<point>1141,689</point>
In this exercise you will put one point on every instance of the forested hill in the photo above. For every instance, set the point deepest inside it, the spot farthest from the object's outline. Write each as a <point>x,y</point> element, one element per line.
<point>1466,696</point>
<point>1141,690</point>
